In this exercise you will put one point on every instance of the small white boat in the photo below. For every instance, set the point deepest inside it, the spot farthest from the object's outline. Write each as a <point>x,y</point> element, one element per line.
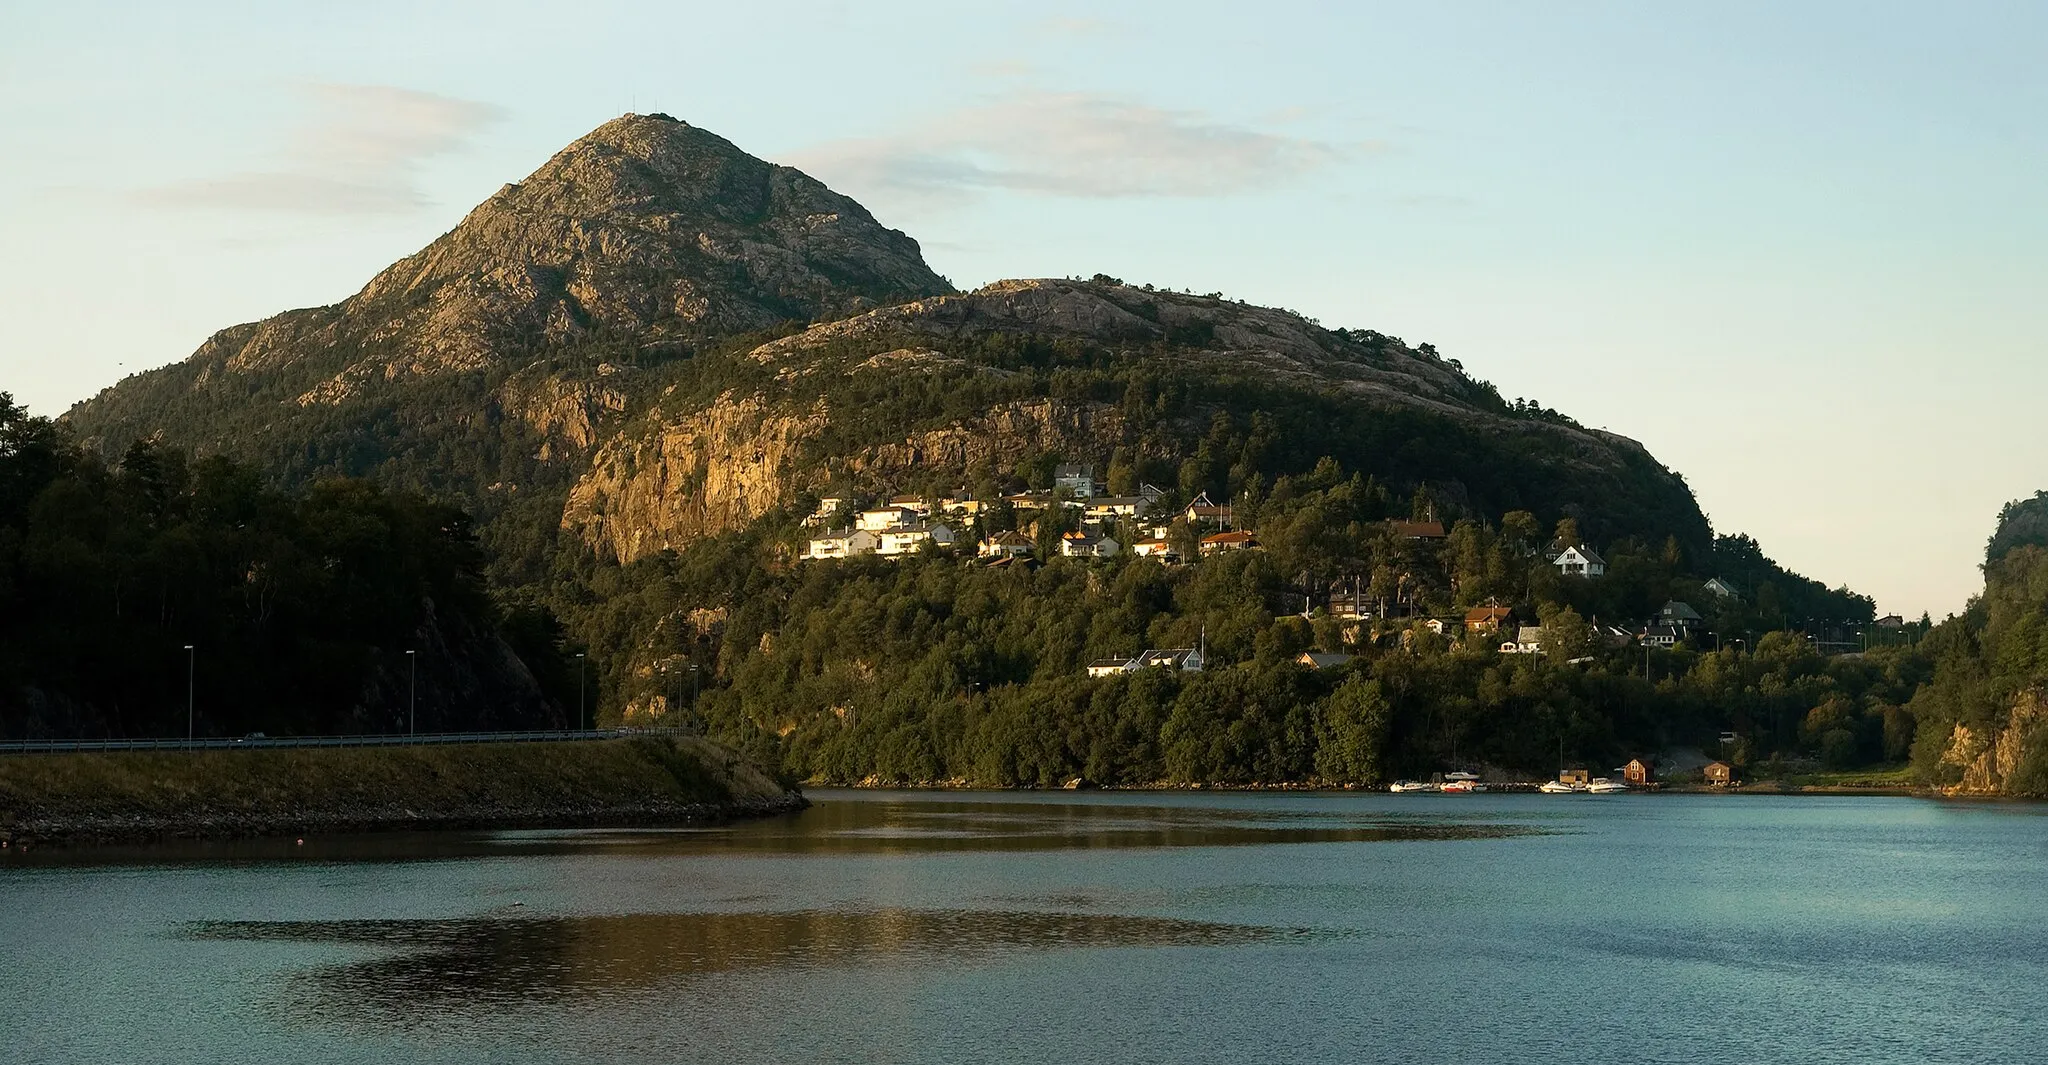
<point>1461,775</point>
<point>1559,787</point>
<point>1604,786</point>
<point>1400,787</point>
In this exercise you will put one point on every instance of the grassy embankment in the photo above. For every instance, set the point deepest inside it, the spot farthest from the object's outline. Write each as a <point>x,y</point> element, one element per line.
<point>1875,780</point>
<point>139,795</point>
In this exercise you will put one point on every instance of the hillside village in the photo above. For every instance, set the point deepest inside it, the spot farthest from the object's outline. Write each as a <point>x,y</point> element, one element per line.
<point>1076,518</point>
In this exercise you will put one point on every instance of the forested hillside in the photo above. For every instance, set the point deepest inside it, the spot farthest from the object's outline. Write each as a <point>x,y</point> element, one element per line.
<point>642,367</point>
<point>297,609</point>
<point>1984,718</point>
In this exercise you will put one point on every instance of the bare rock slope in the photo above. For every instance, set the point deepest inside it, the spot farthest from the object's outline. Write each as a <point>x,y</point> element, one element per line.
<point>647,229</point>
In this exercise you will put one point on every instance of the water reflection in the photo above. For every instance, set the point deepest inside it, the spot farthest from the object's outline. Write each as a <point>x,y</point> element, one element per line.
<point>842,824</point>
<point>428,967</point>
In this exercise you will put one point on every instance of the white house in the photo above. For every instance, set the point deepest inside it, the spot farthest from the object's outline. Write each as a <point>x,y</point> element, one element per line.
<point>881,518</point>
<point>1721,589</point>
<point>1110,508</point>
<point>1229,541</point>
<point>844,544</point>
<point>1202,512</point>
<point>828,507</point>
<point>1079,481</point>
<point>1580,562</point>
<point>1006,545</point>
<point>1185,659</point>
<point>1111,666</point>
<point>1528,641</point>
<point>1663,636</point>
<point>917,505</point>
<point>1158,549</point>
<point>1088,545</point>
<point>906,541</point>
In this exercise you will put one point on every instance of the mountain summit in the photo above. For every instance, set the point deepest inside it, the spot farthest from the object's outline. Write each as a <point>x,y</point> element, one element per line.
<point>647,227</point>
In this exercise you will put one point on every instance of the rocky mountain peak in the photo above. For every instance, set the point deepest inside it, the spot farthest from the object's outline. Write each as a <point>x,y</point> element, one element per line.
<point>646,227</point>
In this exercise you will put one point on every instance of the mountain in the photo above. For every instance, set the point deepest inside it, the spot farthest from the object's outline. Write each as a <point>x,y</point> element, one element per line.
<point>496,352</point>
<point>656,336</point>
<point>641,368</point>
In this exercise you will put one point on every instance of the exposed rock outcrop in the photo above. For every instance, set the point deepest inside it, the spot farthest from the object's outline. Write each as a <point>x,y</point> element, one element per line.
<point>701,473</point>
<point>1991,759</point>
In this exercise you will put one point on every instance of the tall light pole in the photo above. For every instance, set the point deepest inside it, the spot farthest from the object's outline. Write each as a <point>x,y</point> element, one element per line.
<point>412,712</point>
<point>191,665</point>
<point>579,690</point>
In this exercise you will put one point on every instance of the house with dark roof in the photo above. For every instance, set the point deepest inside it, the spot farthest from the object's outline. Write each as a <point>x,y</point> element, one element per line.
<point>1079,481</point>
<point>1721,589</point>
<point>1528,641</point>
<point>1663,636</point>
<point>1580,562</point>
<point>1417,530</point>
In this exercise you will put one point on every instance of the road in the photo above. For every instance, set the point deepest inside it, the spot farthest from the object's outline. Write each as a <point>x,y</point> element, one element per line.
<point>250,743</point>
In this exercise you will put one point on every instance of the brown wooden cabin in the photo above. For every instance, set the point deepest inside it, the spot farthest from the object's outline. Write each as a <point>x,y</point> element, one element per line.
<point>1574,776</point>
<point>1719,774</point>
<point>1636,771</point>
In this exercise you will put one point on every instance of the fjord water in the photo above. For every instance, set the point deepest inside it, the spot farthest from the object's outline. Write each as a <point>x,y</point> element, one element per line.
<point>894,927</point>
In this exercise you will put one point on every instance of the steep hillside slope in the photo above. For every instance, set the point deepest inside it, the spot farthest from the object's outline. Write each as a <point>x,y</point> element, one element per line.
<point>953,389</point>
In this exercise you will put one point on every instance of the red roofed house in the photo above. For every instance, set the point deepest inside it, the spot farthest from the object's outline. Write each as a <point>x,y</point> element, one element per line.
<point>1418,530</point>
<point>1488,618</point>
<point>1228,541</point>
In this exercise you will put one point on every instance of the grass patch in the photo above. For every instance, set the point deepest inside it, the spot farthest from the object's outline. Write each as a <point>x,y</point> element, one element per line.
<point>255,790</point>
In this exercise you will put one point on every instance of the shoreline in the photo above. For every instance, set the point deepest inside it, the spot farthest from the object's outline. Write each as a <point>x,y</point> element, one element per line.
<point>106,830</point>
<point>1761,787</point>
<point>129,797</point>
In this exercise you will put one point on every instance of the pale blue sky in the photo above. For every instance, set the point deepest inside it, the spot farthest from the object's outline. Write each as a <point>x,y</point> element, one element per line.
<point>1796,249</point>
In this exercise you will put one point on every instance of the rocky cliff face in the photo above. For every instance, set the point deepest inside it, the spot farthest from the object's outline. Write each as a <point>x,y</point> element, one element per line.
<point>1991,760</point>
<point>699,473</point>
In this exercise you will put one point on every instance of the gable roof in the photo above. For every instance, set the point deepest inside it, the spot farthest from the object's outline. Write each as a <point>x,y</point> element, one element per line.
<point>1488,615</point>
<point>1418,530</point>
<point>1238,537</point>
<point>1583,552</point>
<point>1678,611</point>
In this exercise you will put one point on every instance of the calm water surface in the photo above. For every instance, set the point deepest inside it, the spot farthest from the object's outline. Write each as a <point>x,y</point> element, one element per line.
<point>1065,928</point>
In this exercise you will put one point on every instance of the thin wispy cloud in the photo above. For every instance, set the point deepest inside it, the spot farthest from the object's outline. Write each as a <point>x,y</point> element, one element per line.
<point>1073,145</point>
<point>360,149</point>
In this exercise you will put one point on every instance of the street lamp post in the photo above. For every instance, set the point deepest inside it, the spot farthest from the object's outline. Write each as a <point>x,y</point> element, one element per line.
<point>579,690</point>
<point>191,665</point>
<point>412,710</point>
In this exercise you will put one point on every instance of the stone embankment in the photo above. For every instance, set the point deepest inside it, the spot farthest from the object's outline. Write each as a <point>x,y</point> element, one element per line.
<point>130,797</point>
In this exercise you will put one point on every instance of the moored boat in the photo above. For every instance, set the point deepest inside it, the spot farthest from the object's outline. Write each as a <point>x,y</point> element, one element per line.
<point>1558,787</point>
<point>1604,786</point>
<point>1402,786</point>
